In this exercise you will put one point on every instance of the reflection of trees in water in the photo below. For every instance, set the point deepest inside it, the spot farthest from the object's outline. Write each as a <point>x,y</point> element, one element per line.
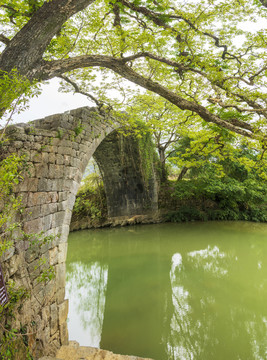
<point>86,286</point>
<point>202,318</point>
<point>257,330</point>
<point>210,260</point>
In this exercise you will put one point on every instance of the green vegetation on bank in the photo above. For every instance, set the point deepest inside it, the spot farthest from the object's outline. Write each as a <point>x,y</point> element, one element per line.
<point>214,198</point>
<point>207,197</point>
<point>213,188</point>
<point>91,200</point>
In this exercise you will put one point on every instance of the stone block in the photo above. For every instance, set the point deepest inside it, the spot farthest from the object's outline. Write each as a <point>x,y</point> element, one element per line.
<point>41,170</point>
<point>36,157</point>
<point>32,213</point>
<point>27,312</point>
<point>62,206</point>
<point>62,252</point>
<point>21,245</point>
<point>66,143</point>
<point>54,319</point>
<point>36,198</point>
<point>47,209</point>
<point>75,162</point>
<point>8,254</point>
<point>58,218</point>
<point>33,226</point>
<point>53,256</point>
<point>56,171</point>
<point>54,344</point>
<point>60,294</point>
<point>62,195</point>
<point>63,310</point>
<point>55,141</point>
<point>44,185</point>
<point>75,144</point>
<point>64,233</point>
<point>75,186</point>
<point>64,334</point>
<point>60,159</point>
<point>15,263</point>
<point>29,184</point>
<point>47,222</point>
<point>60,275</point>
<point>67,160</point>
<point>51,291</point>
<point>32,252</point>
<point>74,153</point>
<point>46,335</point>
<point>34,269</point>
<point>64,150</point>
<point>53,196</point>
<point>39,325</point>
<point>52,158</point>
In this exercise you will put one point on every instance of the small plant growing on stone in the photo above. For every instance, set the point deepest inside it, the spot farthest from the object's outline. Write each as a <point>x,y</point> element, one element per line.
<point>78,129</point>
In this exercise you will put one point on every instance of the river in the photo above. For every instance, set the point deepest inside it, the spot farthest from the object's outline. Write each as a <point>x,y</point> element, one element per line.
<point>189,291</point>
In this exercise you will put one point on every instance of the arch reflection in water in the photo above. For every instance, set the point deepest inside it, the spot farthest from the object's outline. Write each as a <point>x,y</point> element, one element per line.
<point>86,287</point>
<point>172,291</point>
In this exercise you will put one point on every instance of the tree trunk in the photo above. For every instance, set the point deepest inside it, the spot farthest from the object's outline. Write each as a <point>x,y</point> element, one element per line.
<point>182,173</point>
<point>163,170</point>
<point>25,51</point>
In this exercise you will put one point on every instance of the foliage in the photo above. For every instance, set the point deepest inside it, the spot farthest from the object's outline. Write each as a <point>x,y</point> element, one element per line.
<point>91,199</point>
<point>214,198</point>
<point>147,155</point>
<point>179,50</point>
<point>13,342</point>
<point>11,169</point>
<point>214,150</point>
<point>15,92</point>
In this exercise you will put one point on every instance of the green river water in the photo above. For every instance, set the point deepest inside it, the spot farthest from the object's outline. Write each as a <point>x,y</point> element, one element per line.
<point>191,291</point>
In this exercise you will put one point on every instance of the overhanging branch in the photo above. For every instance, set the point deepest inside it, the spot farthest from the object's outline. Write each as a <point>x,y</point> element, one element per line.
<point>59,67</point>
<point>79,91</point>
<point>4,39</point>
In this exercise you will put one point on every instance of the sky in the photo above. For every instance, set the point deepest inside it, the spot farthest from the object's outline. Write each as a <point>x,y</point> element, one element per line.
<point>51,102</point>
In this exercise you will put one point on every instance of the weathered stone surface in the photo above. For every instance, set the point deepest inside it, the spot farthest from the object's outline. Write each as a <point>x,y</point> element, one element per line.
<point>62,252</point>
<point>53,256</point>
<point>64,334</point>
<point>63,309</point>
<point>76,352</point>
<point>54,319</point>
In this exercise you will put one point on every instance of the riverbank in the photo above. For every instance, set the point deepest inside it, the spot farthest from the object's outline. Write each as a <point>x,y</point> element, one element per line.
<point>88,223</point>
<point>74,351</point>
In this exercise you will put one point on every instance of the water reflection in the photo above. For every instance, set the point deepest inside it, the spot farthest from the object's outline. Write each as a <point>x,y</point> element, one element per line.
<point>203,322</point>
<point>170,292</point>
<point>209,259</point>
<point>86,287</point>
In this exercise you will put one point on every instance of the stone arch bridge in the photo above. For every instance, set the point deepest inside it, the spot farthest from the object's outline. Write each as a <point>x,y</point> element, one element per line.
<point>58,149</point>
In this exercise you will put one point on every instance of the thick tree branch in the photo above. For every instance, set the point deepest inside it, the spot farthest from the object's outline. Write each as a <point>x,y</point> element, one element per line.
<point>4,39</point>
<point>58,67</point>
<point>264,3</point>
<point>29,44</point>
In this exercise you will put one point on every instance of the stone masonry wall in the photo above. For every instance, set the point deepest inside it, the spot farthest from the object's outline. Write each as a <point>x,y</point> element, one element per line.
<point>58,149</point>
<point>57,156</point>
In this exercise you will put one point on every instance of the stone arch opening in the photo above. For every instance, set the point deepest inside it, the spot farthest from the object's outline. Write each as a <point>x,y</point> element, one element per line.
<point>58,149</point>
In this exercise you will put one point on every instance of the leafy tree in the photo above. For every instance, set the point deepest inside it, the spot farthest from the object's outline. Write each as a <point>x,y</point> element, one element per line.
<point>182,51</point>
<point>165,121</point>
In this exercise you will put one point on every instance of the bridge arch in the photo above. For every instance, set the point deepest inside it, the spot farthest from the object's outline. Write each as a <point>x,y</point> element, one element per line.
<point>58,149</point>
